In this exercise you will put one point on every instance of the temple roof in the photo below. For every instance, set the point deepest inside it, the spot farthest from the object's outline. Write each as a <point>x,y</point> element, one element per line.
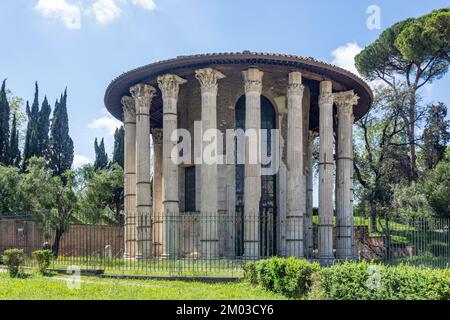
<point>311,68</point>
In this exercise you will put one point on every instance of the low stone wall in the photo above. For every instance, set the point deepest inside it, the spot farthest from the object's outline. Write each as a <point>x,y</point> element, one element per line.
<point>22,234</point>
<point>79,240</point>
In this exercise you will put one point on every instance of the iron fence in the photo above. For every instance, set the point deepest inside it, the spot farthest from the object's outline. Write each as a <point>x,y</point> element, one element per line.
<point>214,244</point>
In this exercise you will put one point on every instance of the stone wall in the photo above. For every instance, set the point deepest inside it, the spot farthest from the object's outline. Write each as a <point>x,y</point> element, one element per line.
<point>79,240</point>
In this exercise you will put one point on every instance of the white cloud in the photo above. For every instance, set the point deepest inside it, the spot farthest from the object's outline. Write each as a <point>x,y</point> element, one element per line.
<point>146,4</point>
<point>105,11</point>
<point>80,160</point>
<point>107,124</point>
<point>344,56</point>
<point>69,14</point>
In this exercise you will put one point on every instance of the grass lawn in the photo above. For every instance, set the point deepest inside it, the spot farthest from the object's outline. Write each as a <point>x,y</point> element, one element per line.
<point>91,288</point>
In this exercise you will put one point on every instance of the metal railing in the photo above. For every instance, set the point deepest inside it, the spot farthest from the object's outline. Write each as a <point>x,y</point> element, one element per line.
<point>213,244</point>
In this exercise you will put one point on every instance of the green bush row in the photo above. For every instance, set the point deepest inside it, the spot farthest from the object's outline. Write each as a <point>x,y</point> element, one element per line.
<point>291,277</point>
<point>349,280</point>
<point>365,281</point>
<point>14,260</point>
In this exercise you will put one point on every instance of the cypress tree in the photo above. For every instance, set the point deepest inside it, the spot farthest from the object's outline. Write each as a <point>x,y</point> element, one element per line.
<point>101,158</point>
<point>435,135</point>
<point>4,124</point>
<point>118,153</point>
<point>60,148</point>
<point>14,151</point>
<point>43,128</point>
<point>31,147</point>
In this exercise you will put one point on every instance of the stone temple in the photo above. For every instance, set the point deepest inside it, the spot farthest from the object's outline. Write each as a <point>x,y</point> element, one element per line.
<point>230,209</point>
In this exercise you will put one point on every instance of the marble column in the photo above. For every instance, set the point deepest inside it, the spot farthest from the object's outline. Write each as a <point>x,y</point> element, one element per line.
<point>170,86</point>
<point>158,227</point>
<point>129,123</point>
<point>308,221</point>
<point>295,186</point>
<point>209,238</point>
<point>344,180</point>
<point>326,165</point>
<point>252,181</point>
<point>143,95</point>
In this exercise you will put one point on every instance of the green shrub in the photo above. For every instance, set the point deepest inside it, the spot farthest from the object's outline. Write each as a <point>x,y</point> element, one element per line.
<point>291,277</point>
<point>14,259</point>
<point>250,272</point>
<point>365,281</point>
<point>42,259</point>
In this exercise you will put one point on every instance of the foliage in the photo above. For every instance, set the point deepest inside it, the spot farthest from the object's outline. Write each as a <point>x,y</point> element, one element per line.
<point>409,200</point>
<point>437,189</point>
<point>43,128</point>
<point>60,143</point>
<point>250,272</point>
<point>435,135</point>
<point>14,151</point>
<point>56,198</point>
<point>101,157</point>
<point>291,277</point>
<point>365,281</point>
<point>381,158</point>
<point>96,190</point>
<point>14,259</point>
<point>413,52</point>
<point>12,198</point>
<point>4,124</point>
<point>31,137</point>
<point>43,259</point>
<point>118,153</point>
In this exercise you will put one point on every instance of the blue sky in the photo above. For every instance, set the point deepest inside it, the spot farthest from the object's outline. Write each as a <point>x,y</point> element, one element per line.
<point>84,44</point>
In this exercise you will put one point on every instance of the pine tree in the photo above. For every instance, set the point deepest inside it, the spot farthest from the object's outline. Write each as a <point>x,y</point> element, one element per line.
<point>118,153</point>
<point>60,149</point>
<point>14,151</point>
<point>31,147</point>
<point>43,128</point>
<point>4,124</point>
<point>101,157</point>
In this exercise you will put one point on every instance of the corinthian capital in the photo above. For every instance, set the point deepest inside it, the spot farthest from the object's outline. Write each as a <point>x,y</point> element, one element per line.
<point>295,86</point>
<point>129,109</point>
<point>208,78</point>
<point>253,80</point>
<point>143,95</point>
<point>345,101</point>
<point>170,85</point>
<point>325,99</point>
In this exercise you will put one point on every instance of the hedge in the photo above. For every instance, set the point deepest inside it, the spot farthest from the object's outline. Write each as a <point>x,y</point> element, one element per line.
<point>349,280</point>
<point>291,277</point>
<point>365,281</point>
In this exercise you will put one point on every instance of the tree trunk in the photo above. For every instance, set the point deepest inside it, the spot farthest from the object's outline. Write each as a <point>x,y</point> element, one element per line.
<point>55,247</point>
<point>411,137</point>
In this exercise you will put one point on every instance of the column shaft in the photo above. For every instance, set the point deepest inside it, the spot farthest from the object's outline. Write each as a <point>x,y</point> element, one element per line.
<point>129,117</point>
<point>169,85</point>
<point>295,189</point>
<point>326,165</point>
<point>158,227</point>
<point>143,95</point>
<point>344,180</point>
<point>209,240</point>
<point>308,227</point>
<point>252,181</point>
